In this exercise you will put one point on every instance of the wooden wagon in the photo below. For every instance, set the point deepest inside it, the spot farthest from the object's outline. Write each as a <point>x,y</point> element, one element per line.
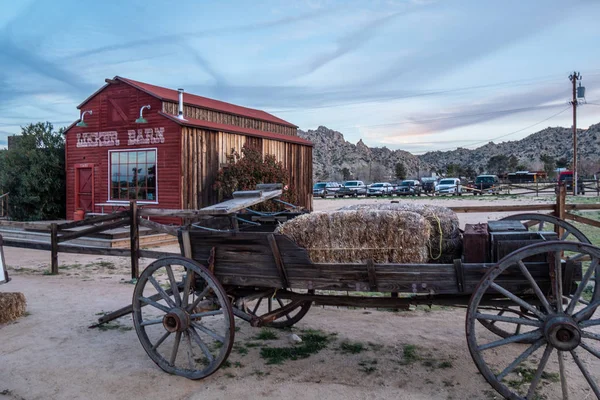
<point>534,291</point>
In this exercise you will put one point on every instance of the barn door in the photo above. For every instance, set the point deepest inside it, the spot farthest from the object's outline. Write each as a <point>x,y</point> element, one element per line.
<point>84,187</point>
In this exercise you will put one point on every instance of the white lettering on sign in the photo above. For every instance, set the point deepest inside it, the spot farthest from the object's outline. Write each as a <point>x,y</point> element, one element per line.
<point>97,139</point>
<point>146,136</point>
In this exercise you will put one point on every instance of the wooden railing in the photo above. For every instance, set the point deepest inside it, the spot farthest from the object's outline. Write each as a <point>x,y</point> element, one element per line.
<point>4,205</point>
<point>61,233</point>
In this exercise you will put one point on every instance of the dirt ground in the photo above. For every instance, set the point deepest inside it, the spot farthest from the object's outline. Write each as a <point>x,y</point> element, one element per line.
<point>52,354</point>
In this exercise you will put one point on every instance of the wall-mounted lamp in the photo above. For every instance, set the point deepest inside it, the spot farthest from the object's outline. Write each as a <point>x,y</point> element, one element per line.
<point>141,119</point>
<point>81,123</point>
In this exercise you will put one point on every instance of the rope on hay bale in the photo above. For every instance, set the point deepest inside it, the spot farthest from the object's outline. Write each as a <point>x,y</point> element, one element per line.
<point>12,306</point>
<point>445,242</point>
<point>357,235</point>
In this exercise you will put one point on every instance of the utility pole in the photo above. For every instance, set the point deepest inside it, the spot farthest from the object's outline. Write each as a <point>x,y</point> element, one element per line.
<point>574,77</point>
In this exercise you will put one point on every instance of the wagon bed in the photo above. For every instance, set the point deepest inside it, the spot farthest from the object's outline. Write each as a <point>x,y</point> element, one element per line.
<point>526,291</point>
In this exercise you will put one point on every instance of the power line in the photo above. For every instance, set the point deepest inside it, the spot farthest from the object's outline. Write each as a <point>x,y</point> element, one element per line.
<point>514,83</point>
<point>508,134</point>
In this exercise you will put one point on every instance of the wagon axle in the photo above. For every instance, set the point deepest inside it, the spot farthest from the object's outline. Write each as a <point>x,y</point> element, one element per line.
<point>177,320</point>
<point>562,332</point>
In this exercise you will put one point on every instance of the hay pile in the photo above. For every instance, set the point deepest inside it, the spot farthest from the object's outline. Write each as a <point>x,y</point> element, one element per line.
<point>12,306</point>
<point>357,235</point>
<point>445,243</point>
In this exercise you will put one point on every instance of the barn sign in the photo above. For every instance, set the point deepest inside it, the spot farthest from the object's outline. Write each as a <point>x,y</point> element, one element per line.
<point>111,138</point>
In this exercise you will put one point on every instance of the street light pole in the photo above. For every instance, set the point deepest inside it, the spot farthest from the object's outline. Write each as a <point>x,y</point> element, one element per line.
<point>574,77</point>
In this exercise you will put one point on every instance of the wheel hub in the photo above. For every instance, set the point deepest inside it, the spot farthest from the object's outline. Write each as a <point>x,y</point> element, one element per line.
<point>562,333</point>
<point>177,320</point>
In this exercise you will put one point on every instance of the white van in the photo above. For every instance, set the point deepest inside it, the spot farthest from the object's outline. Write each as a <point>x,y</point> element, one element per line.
<point>449,186</point>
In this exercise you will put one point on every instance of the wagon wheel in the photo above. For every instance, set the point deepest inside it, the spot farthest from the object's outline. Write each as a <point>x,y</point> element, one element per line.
<point>537,222</point>
<point>294,311</point>
<point>523,371</point>
<point>188,328</point>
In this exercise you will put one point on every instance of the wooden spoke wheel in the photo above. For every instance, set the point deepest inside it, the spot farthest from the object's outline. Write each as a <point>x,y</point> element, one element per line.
<point>290,311</point>
<point>533,222</point>
<point>560,353</point>
<point>183,317</point>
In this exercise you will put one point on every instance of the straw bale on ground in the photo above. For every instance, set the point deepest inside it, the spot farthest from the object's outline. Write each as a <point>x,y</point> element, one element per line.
<point>355,236</point>
<point>445,243</point>
<point>12,306</point>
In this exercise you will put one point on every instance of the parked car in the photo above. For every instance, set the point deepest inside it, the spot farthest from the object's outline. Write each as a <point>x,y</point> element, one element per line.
<point>428,185</point>
<point>449,186</point>
<point>324,189</point>
<point>486,184</point>
<point>409,187</point>
<point>352,188</point>
<point>567,178</point>
<point>380,189</point>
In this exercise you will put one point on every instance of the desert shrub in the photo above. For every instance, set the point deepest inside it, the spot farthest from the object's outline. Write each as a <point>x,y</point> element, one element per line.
<point>244,171</point>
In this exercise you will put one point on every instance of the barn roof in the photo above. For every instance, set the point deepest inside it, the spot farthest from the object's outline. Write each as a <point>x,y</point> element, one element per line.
<point>172,95</point>
<point>200,123</point>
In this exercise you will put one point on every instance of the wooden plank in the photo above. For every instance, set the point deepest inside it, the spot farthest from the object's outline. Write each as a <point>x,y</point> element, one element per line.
<point>244,194</point>
<point>156,254</point>
<point>524,207</point>
<point>134,241</point>
<point>235,205</point>
<point>372,276</point>
<point>26,225</point>
<point>278,260</point>
<point>170,230</point>
<point>54,249</point>
<point>581,219</point>
<point>187,244</point>
<point>94,229</point>
<point>93,220</point>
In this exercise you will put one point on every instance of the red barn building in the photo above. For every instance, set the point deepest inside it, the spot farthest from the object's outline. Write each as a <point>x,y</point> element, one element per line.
<point>163,148</point>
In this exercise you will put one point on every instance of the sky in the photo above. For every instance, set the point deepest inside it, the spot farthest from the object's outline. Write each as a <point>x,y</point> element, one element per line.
<point>416,75</point>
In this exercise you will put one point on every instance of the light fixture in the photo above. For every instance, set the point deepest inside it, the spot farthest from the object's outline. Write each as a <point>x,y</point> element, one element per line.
<point>81,123</point>
<point>141,119</point>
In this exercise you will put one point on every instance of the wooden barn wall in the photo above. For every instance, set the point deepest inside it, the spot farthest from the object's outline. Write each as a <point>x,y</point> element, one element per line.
<point>229,119</point>
<point>168,153</point>
<point>205,152</point>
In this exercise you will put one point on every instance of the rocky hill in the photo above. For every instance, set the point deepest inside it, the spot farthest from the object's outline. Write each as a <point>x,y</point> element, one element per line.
<point>334,157</point>
<point>555,142</point>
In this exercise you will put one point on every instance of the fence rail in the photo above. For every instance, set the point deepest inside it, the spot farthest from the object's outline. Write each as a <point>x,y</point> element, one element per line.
<point>4,205</point>
<point>61,233</point>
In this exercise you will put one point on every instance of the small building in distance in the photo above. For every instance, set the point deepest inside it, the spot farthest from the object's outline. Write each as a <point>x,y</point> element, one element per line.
<point>163,148</point>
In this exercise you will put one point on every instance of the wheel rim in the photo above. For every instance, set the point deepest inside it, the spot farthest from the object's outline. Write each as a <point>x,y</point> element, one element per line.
<point>541,221</point>
<point>265,305</point>
<point>183,317</point>
<point>567,330</point>
<point>537,222</point>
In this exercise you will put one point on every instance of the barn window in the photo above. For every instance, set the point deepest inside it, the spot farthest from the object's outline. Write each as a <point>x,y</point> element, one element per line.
<point>133,175</point>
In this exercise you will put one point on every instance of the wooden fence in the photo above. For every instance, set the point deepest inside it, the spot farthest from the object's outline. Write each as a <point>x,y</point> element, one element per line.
<point>4,205</point>
<point>61,233</point>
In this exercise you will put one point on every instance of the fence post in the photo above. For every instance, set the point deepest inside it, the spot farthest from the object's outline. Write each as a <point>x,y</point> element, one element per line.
<point>54,249</point>
<point>559,211</point>
<point>537,190</point>
<point>135,240</point>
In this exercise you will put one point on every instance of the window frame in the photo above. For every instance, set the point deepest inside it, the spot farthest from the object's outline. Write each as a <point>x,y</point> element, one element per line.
<point>110,200</point>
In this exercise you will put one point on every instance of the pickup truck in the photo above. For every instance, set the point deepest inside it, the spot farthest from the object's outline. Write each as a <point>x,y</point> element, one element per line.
<point>353,189</point>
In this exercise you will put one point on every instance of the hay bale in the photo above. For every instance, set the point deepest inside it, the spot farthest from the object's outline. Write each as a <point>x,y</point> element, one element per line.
<point>357,235</point>
<point>12,306</point>
<point>445,242</point>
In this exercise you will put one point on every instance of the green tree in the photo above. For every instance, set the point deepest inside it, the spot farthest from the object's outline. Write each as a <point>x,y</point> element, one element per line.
<point>513,164</point>
<point>33,172</point>
<point>400,171</point>
<point>498,164</point>
<point>346,176</point>
<point>549,164</point>
<point>562,163</point>
<point>454,170</point>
